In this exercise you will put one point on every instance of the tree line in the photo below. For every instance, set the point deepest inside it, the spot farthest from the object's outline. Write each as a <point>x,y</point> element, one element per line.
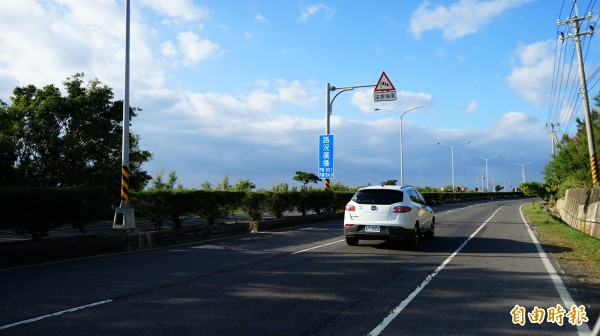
<point>48,139</point>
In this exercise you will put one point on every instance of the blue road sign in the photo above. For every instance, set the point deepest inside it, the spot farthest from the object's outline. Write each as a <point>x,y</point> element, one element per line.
<point>326,156</point>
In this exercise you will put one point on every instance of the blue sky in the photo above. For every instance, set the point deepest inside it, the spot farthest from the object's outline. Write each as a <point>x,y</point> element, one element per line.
<point>237,88</point>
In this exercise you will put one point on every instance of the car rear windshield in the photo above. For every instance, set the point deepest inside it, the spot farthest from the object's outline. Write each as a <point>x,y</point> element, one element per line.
<point>377,196</point>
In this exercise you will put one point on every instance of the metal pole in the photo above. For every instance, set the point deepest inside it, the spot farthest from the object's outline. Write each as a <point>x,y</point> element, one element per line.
<point>453,169</point>
<point>523,170</point>
<point>452,148</point>
<point>124,215</point>
<point>329,107</point>
<point>125,144</point>
<point>401,145</point>
<point>487,178</point>
<point>487,182</point>
<point>401,153</point>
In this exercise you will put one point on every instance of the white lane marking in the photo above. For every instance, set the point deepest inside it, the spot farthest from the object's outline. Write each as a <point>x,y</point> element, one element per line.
<point>386,321</point>
<point>558,283</point>
<point>316,247</point>
<point>54,314</point>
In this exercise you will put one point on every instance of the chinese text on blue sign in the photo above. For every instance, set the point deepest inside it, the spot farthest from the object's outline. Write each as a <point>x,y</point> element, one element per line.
<point>326,156</point>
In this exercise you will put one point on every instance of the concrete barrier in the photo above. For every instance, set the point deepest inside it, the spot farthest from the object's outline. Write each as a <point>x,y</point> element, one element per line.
<point>579,209</point>
<point>21,253</point>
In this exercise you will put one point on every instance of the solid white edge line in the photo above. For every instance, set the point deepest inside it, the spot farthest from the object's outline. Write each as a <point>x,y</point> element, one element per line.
<point>316,247</point>
<point>386,321</point>
<point>566,298</point>
<point>54,314</point>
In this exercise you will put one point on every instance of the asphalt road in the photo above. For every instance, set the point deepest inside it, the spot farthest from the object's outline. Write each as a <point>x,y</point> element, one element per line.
<point>481,265</point>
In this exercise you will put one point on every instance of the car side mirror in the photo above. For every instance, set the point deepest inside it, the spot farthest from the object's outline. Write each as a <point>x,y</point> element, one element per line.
<point>430,202</point>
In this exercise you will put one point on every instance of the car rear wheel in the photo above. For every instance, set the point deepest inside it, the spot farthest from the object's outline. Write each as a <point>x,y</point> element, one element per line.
<point>352,241</point>
<point>431,233</point>
<point>413,243</point>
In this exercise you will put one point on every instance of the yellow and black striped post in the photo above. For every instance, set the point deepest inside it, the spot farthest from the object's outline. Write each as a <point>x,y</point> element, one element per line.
<point>125,183</point>
<point>327,184</point>
<point>124,214</point>
<point>594,167</point>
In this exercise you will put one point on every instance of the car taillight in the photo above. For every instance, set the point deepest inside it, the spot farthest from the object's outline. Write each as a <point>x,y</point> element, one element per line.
<point>350,207</point>
<point>401,209</point>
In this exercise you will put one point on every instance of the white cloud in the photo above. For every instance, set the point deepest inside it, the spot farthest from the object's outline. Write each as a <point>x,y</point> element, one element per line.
<point>472,106</point>
<point>309,11</point>
<point>58,39</point>
<point>182,9</point>
<point>196,49</point>
<point>532,77</point>
<point>168,49</point>
<point>459,19</point>
<point>260,18</point>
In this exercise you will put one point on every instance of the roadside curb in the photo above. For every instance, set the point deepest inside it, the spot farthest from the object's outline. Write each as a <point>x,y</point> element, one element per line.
<point>22,253</point>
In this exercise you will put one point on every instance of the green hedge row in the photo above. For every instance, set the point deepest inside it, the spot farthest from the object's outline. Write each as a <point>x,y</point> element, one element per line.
<point>37,210</point>
<point>443,197</point>
<point>174,205</point>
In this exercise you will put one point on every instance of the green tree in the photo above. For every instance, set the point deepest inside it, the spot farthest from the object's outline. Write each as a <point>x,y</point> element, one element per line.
<point>306,178</point>
<point>74,140</point>
<point>570,168</point>
<point>536,189</point>
<point>8,149</point>
<point>206,186</point>
<point>157,182</point>
<point>281,187</point>
<point>389,182</point>
<point>244,185</point>
<point>224,185</point>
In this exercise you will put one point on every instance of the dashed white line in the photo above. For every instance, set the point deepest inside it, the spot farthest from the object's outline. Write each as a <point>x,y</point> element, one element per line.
<point>316,247</point>
<point>386,321</point>
<point>54,314</point>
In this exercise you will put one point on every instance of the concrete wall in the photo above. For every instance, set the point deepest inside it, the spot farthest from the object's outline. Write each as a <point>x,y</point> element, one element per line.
<point>579,209</point>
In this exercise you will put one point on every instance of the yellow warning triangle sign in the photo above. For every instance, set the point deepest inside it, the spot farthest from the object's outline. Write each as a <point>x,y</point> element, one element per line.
<point>384,84</point>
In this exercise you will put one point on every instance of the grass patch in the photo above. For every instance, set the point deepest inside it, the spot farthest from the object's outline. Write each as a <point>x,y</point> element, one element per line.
<point>577,253</point>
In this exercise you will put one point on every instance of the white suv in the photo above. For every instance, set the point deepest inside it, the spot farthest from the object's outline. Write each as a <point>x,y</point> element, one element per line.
<point>390,213</point>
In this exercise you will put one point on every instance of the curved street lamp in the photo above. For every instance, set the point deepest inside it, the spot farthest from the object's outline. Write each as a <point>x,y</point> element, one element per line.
<point>452,147</point>
<point>487,184</point>
<point>401,146</point>
<point>523,170</point>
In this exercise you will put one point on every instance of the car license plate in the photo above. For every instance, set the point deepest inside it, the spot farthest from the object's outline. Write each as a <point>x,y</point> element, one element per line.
<point>372,228</point>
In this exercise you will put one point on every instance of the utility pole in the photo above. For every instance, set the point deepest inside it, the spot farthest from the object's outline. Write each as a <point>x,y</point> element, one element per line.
<point>575,22</point>
<point>550,129</point>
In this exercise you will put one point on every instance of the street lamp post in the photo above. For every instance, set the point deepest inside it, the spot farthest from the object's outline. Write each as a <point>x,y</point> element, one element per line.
<point>487,179</point>
<point>124,215</point>
<point>452,148</point>
<point>401,146</point>
<point>523,170</point>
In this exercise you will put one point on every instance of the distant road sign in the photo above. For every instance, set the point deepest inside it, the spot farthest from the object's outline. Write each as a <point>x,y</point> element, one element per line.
<point>326,156</point>
<point>384,84</point>
<point>384,90</point>
<point>384,96</point>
